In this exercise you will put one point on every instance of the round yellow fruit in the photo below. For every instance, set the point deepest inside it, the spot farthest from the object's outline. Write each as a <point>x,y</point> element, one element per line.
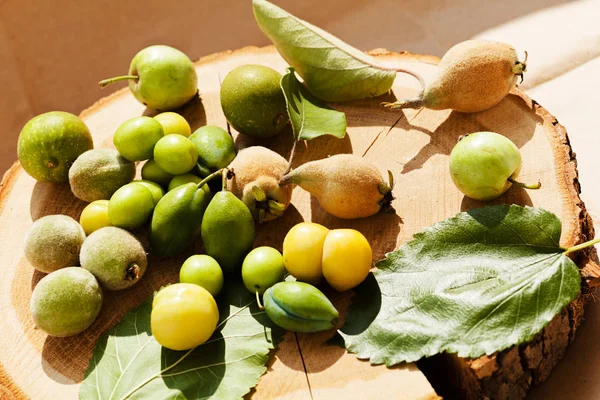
<point>347,258</point>
<point>302,251</point>
<point>174,123</point>
<point>94,216</point>
<point>184,315</point>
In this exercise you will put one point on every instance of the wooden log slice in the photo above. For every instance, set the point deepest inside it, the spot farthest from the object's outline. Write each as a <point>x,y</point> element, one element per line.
<point>414,145</point>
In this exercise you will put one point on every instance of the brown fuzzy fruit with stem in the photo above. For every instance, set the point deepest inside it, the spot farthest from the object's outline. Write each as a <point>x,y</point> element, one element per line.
<point>472,76</point>
<point>346,185</point>
<point>256,174</point>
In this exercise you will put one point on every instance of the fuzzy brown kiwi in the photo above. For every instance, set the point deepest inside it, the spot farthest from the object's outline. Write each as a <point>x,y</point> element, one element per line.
<point>346,185</point>
<point>472,76</point>
<point>256,172</point>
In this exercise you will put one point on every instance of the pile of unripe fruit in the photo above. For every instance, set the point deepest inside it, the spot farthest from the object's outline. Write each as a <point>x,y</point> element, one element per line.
<point>255,186</point>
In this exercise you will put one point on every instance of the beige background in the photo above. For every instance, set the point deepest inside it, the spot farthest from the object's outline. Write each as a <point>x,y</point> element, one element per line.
<point>53,53</point>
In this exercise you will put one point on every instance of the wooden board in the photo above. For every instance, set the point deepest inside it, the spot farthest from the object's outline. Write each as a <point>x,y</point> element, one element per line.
<point>414,146</point>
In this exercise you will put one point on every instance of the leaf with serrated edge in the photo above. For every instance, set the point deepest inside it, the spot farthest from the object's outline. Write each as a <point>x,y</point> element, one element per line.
<point>474,284</point>
<point>309,116</point>
<point>129,363</point>
<point>332,70</point>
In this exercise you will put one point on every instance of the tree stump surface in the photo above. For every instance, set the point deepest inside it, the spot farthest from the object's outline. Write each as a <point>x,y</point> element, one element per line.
<point>414,145</point>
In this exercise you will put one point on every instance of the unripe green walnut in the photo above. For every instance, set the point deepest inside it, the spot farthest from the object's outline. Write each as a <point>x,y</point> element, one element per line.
<point>66,302</point>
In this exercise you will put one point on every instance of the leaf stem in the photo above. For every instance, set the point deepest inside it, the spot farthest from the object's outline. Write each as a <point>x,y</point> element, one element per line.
<point>258,301</point>
<point>525,185</point>
<point>402,70</point>
<point>582,246</point>
<point>292,153</point>
<point>108,81</point>
<point>210,177</point>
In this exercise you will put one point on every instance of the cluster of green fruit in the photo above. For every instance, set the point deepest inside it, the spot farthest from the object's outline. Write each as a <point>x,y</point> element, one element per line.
<point>185,315</point>
<point>256,186</point>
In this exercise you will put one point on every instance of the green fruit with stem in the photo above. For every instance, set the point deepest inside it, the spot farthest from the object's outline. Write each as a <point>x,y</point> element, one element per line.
<point>253,102</point>
<point>215,148</point>
<point>160,77</point>
<point>155,189</point>
<point>136,137</point>
<point>262,268</point>
<point>179,180</point>
<point>115,257</point>
<point>66,302</point>
<point>483,165</point>
<point>131,206</point>
<point>202,270</point>
<point>175,154</point>
<point>49,144</point>
<point>151,171</point>
<point>174,123</point>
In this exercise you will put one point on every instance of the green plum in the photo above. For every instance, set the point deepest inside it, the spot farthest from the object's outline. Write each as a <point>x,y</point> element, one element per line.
<point>136,137</point>
<point>157,191</point>
<point>152,172</point>
<point>215,148</point>
<point>262,268</point>
<point>483,165</point>
<point>175,154</point>
<point>174,123</point>
<point>176,219</point>
<point>179,180</point>
<point>160,77</point>
<point>131,206</point>
<point>49,143</point>
<point>204,271</point>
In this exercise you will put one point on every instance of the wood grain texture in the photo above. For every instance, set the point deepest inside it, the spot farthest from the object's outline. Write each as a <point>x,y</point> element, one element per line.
<point>414,145</point>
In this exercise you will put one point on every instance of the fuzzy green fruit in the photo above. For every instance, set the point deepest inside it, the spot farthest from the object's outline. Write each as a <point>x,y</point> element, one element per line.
<point>98,173</point>
<point>66,302</point>
<point>115,257</point>
<point>160,77</point>
<point>49,143</point>
<point>53,242</point>
<point>483,165</point>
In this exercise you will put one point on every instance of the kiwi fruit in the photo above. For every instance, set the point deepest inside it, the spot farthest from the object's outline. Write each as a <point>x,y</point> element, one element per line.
<point>115,257</point>
<point>66,302</point>
<point>53,242</point>
<point>98,173</point>
<point>346,185</point>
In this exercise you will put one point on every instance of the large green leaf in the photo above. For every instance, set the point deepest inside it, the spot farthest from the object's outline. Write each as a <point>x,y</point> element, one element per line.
<point>474,284</point>
<point>310,118</point>
<point>129,363</point>
<point>332,70</point>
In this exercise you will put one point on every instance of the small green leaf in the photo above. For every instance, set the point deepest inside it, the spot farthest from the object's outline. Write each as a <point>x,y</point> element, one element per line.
<point>310,118</point>
<point>128,363</point>
<point>475,284</point>
<point>332,70</point>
